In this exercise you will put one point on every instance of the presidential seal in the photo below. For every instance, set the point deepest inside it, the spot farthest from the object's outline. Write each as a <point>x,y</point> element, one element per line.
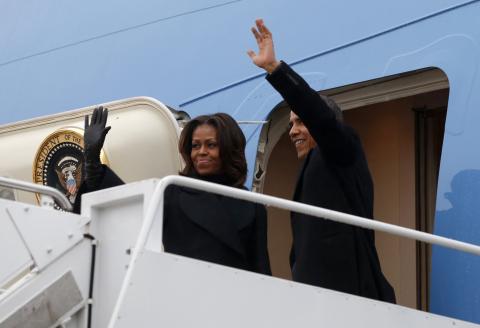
<point>59,162</point>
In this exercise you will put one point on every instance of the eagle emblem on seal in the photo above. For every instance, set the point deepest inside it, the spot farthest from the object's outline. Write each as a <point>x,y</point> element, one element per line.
<point>59,162</point>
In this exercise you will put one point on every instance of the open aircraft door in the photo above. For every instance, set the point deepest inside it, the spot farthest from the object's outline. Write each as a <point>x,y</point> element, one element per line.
<point>142,144</point>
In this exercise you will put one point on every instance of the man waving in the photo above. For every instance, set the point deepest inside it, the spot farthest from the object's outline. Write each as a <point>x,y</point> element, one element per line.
<point>334,175</point>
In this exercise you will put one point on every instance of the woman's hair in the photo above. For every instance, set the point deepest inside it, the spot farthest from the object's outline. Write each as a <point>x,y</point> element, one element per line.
<point>231,144</point>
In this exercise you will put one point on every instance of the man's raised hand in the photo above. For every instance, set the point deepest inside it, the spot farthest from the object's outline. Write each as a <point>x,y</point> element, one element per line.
<point>266,53</point>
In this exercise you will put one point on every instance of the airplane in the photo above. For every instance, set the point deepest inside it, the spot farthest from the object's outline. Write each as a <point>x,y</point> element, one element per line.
<point>404,74</point>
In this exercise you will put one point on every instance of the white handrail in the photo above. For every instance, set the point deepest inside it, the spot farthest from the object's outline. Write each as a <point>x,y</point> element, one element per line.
<point>156,208</point>
<point>318,212</point>
<point>60,198</point>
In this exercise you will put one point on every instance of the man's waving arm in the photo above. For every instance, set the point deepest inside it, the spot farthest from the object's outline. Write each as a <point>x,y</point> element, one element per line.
<point>332,136</point>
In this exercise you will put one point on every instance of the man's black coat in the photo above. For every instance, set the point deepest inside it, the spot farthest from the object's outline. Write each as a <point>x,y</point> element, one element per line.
<point>208,227</point>
<point>334,175</point>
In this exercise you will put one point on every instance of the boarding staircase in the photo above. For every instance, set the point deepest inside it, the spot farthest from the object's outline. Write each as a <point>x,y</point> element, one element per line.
<point>106,268</point>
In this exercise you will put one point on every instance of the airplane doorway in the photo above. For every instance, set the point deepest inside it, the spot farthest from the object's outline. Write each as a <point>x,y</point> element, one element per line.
<point>402,139</point>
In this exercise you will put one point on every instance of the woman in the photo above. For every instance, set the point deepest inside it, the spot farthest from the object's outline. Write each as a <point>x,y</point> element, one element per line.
<point>197,224</point>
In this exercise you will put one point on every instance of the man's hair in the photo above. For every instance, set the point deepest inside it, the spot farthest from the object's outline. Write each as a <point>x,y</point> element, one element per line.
<point>231,143</point>
<point>333,106</point>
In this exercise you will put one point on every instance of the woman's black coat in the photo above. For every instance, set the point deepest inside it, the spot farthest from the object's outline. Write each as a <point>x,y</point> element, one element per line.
<point>208,227</point>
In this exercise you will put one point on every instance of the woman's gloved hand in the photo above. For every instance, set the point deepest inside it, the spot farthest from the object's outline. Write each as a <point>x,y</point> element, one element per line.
<point>94,137</point>
<point>94,134</point>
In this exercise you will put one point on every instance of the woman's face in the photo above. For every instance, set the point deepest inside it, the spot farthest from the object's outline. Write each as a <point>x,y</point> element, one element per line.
<point>205,152</point>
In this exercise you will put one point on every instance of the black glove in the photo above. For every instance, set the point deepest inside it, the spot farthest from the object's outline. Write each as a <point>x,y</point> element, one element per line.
<point>94,135</point>
<point>93,139</point>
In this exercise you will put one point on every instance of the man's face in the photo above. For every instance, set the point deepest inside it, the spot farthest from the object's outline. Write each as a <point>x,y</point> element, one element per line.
<point>301,138</point>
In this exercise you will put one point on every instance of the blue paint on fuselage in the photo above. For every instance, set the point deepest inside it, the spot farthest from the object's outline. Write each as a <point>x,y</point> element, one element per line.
<point>58,56</point>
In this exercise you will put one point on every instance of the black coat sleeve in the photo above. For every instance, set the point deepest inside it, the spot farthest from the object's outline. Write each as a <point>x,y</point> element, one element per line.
<point>108,179</point>
<point>260,261</point>
<point>337,140</point>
